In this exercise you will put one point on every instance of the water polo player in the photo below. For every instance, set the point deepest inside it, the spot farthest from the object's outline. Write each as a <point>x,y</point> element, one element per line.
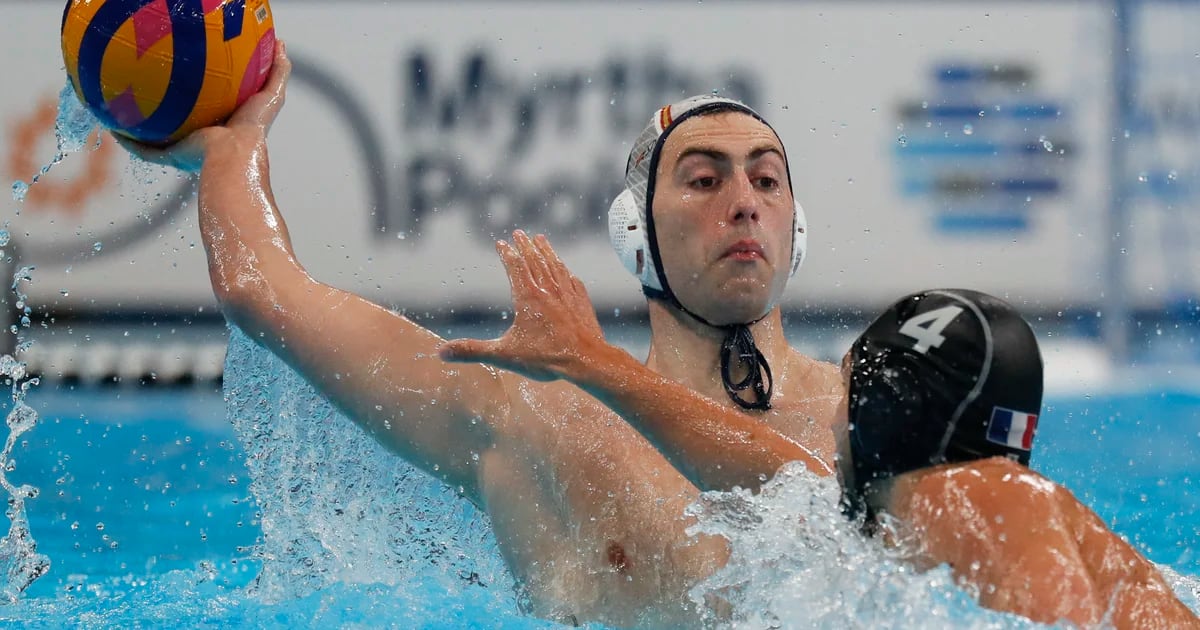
<point>944,392</point>
<point>614,548</point>
<point>940,377</point>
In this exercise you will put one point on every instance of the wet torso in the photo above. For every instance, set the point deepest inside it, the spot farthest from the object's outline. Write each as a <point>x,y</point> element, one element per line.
<point>590,516</point>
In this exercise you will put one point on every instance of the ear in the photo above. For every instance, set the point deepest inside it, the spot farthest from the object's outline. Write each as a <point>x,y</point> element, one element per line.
<point>629,239</point>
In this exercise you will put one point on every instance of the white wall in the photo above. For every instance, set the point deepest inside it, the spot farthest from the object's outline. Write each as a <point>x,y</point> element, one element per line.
<point>565,87</point>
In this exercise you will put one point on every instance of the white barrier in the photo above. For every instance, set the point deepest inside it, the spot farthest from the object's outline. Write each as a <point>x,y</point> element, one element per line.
<point>933,144</point>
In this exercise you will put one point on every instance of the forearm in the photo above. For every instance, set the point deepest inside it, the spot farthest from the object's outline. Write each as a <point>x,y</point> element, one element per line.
<point>377,367</point>
<point>244,235</point>
<point>717,448</point>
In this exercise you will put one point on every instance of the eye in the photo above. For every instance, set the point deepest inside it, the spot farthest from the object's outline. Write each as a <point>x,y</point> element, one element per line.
<point>704,182</point>
<point>769,183</point>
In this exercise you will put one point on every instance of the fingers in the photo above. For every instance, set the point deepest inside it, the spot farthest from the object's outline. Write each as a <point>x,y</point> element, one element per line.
<point>534,260</point>
<point>519,278</point>
<point>140,150</point>
<point>186,155</point>
<point>261,109</point>
<point>276,85</point>
<point>562,276</point>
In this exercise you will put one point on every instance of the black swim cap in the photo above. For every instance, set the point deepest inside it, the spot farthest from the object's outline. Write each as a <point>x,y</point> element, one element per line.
<point>942,376</point>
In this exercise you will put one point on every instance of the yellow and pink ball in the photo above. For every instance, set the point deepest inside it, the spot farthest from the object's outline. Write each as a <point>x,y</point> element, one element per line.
<point>155,70</point>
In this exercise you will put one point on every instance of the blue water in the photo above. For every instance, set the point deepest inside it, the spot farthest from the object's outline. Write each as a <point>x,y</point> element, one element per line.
<point>261,507</point>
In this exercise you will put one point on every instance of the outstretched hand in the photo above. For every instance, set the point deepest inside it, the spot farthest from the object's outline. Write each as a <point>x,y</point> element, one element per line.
<point>554,325</point>
<point>252,120</point>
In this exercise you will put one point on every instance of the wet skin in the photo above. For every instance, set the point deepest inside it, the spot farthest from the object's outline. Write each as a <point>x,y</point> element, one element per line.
<point>588,513</point>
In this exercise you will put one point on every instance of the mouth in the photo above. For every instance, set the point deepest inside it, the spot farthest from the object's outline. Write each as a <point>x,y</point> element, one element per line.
<point>745,250</point>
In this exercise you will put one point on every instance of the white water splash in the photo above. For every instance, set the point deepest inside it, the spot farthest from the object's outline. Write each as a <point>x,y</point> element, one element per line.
<point>797,562</point>
<point>339,508</point>
<point>19,560</point>
<point>1186,587</point>
<point>72,127</point>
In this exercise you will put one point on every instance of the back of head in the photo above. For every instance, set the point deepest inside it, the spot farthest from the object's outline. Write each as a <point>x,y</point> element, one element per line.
<point>942,376</point>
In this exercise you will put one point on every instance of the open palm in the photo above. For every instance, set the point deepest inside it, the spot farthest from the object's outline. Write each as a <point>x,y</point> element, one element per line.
<point>554,324</point>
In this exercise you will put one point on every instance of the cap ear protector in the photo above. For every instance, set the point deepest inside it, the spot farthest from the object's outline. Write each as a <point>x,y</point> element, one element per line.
<point>627,232</point>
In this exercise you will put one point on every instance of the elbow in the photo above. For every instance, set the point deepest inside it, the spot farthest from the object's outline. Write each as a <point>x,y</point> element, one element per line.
<point>245,300</point>
<point>237,304</point>
<point>234,298</point>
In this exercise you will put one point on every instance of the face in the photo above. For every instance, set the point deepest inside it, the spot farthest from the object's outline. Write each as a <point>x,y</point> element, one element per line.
<point>723,216</point>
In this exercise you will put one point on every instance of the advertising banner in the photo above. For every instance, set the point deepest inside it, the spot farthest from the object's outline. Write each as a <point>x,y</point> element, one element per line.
<point>931,143</point>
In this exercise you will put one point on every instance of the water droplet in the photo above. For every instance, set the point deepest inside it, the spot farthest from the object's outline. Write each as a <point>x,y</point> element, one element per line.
<point>64,292</point>
<point>19,190</point>
<point>97,246</point>
<point>902,140</point>
<point>1143,178</point>
<point>968,129</point>
<point>1172,176</point>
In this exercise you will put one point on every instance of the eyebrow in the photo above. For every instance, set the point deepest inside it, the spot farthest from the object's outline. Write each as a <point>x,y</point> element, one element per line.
<point>721,156</point>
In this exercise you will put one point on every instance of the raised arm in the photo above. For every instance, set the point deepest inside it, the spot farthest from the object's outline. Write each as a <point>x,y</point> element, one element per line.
<point>379,368</point>
<point>555,335</point>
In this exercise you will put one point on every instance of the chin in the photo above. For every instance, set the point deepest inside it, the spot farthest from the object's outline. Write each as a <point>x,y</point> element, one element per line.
<point>738,307</point>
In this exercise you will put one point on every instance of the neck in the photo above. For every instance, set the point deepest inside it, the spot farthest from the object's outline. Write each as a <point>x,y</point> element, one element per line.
<point>688,351</point>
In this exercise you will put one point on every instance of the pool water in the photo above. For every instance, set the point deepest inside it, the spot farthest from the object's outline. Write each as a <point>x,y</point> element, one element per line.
<point>259,506</point>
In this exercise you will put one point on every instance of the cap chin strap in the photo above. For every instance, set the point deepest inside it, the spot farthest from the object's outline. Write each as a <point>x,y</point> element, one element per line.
<point>737,350</point>
<point>739,343</point>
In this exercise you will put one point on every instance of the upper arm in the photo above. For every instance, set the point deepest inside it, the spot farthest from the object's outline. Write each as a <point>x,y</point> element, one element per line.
<point>381,370</point>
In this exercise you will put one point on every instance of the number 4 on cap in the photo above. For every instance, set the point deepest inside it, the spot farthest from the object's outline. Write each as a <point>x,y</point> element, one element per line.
<point>927,328</point>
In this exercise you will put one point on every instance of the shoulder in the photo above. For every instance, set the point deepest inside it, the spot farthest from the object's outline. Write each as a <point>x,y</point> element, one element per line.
<point>988,480</point>
<point>814,375</point>
<point>815,366</point>
<point>979,496</point>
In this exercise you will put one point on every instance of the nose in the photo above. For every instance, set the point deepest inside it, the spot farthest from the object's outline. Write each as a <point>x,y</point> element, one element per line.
<point>746,203</point>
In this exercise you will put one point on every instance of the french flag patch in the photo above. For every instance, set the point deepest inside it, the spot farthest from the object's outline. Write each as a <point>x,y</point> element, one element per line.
<point>1012,428</point>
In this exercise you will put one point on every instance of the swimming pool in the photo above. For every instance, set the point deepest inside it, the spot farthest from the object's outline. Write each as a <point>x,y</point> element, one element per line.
<point>156,510</point>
